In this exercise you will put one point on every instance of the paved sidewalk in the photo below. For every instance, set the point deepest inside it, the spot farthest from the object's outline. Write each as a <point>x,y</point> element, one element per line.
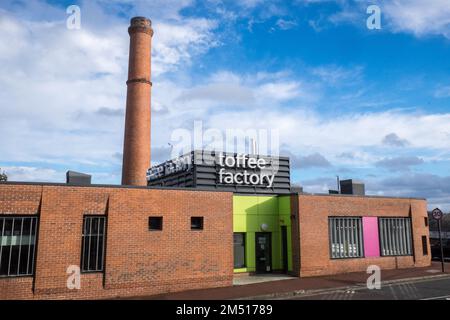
<point>279,288</point>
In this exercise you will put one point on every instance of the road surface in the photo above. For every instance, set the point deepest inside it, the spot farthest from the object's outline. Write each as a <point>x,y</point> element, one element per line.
<point>429,289</point>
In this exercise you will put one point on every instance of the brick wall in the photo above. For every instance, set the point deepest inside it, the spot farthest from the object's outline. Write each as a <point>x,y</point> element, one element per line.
<point>143,262</point>
<point>138,261</point>
<point>311,218</point>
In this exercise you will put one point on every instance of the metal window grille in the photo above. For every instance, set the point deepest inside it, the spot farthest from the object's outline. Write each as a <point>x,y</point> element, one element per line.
<point>17,246</point>
<point>345,237</point>
<point>395,236</point>
<point>93,243</point>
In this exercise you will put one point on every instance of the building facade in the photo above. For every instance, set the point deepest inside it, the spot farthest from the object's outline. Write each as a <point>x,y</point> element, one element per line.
<point>134,241</point>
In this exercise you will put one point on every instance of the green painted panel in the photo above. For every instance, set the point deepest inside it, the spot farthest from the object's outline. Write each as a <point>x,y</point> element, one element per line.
<point>245,205</point>
<point>250,251</point>
<point>268,205</point>
<point>284,205</point>
<point>276,251</point>
<point>239,223</point>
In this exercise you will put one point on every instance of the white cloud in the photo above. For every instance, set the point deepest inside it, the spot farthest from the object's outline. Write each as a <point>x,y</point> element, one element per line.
<point>57,83</point>
<point>305,131</point>
<point>338,75</point>
<point>284,24</point>
<point>419,17</point>
<point>175,44</point>
<point>33,174</point>
<point>279,90</point>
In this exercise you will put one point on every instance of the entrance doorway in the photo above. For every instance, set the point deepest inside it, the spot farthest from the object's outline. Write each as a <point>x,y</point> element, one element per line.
<point>263,252</point>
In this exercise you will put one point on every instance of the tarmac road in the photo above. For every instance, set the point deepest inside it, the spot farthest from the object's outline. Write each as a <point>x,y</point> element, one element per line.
<point>430,289</point>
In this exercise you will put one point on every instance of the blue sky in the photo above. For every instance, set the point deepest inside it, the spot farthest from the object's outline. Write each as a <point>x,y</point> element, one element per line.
<point>373,105</point>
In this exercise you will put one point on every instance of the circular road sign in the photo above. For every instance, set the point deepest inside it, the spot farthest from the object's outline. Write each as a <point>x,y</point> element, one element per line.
<point>437,214</point>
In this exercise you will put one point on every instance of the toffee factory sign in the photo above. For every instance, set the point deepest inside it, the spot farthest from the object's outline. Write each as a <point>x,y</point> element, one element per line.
<point>230,169</point>
<point>242,163</point>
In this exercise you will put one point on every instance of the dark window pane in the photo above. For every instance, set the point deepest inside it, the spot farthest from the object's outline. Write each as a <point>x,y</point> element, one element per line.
<point>17,226</point>
<point>23,266</point>
<point>8,227</point>
<point>196,223</point>
<point>239,250</point>
<point>93,243</point>
<point>155,223</point>
<point>30,263</point>
<point>26,227</point>
<point>101,225</point>
<point>95,228</point>
<point>424,245</point>
<point>5,261</point>
<point>14,260</point>
<point>87,226</point>
<point>100,256</point>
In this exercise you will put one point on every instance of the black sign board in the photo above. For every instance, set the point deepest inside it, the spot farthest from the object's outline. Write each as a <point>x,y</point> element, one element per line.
<point>223,171</point>
<point>437,214</point>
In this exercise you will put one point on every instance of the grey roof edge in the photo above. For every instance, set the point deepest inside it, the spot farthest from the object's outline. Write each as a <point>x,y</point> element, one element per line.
<point>113,186</point>
<point>357,196</point>
<point>117,186</point>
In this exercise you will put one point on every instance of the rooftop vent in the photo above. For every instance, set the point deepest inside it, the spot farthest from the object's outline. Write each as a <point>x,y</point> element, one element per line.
<point>296,189</point>
<point>352,187</point>
<point>78,178</point>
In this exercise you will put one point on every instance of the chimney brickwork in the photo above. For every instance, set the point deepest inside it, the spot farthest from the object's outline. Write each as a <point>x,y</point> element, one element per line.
<point>137,141</point>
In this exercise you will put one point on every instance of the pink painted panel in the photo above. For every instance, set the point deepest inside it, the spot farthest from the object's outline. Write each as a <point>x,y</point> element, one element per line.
<point>370,235</point>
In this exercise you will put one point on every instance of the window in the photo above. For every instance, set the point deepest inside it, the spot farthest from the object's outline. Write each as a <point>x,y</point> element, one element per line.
<point>17,246</point>
<point>424,245</point>
<point>395,236</point>
<point>426,221</point>
<point>155,223</point>
<point>345,237</point>
<point>93,243</point>
<point>196,223</point>
<point>239,250</point>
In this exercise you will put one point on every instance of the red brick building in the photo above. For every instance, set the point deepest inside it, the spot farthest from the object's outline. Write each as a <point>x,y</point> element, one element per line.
<point>313,244</point>
<point>178,255</point>
<point>137,261</point>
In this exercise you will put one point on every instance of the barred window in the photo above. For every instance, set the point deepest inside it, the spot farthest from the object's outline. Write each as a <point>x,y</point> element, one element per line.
<point>345,237</point>
<point>395,236</point>
<point>93,243</point>
<point>17,246</point>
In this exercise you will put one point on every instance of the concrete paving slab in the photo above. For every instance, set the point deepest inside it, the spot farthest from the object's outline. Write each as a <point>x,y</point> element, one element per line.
<point>249,279</point>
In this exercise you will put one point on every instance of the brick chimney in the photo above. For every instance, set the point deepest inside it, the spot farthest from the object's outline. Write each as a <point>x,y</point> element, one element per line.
<point>136,147</point>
